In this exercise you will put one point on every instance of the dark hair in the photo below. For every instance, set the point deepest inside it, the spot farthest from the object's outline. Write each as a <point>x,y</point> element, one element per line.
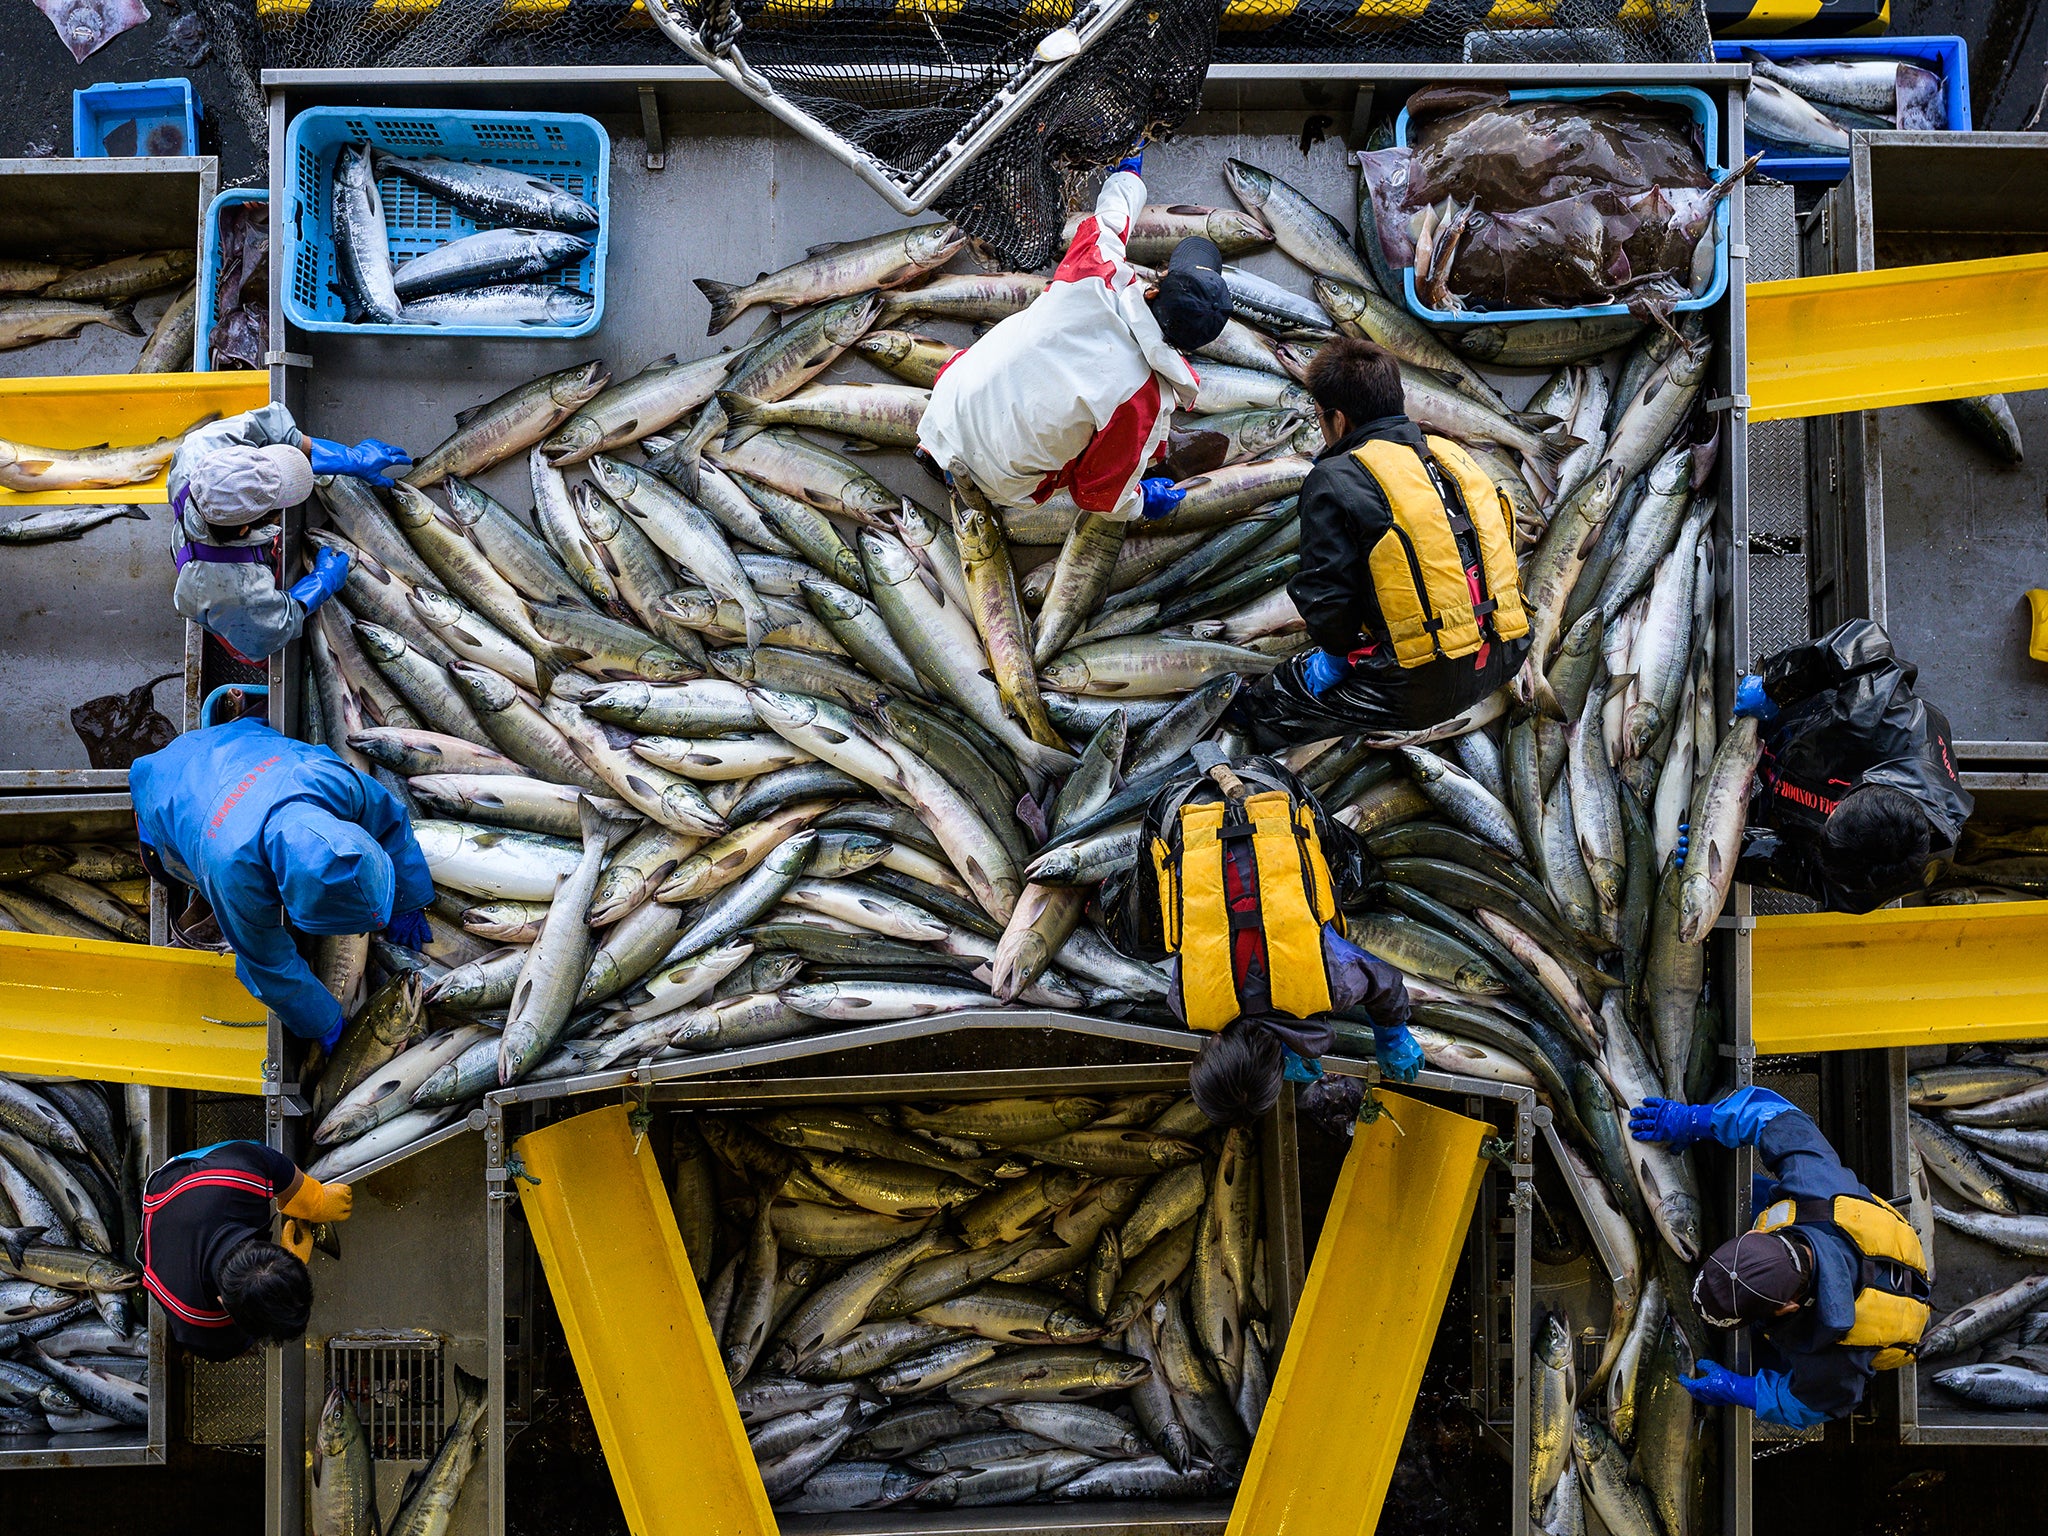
<point>1356,377</point>
<point>267,1290</point>
<point>1876,840</point>
<point>1237,1076</point>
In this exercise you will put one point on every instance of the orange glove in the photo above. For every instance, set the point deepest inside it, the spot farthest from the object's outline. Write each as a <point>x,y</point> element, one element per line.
<point>298,1240</point>
<point>314,1201</point>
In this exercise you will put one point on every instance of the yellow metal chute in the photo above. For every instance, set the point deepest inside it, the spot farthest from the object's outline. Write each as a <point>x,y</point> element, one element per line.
<point>1860,341</point>
<point>637,1331</point>
<point>1347,1381</point>
<point>128,1013</point>
<point>1829,981</point>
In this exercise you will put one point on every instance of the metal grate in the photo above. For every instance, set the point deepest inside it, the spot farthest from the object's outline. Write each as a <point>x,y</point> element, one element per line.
<point>394,1378</point>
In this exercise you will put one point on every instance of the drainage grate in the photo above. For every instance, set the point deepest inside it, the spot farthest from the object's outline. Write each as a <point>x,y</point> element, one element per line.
<point>393,1376</point>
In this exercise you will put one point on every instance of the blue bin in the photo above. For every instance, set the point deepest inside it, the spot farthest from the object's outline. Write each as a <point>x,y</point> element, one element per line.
<point>1701,105</point>
<point>566,148</point>
<point>209,266</point>
<point>1948,57</point>
<point>165,111</point>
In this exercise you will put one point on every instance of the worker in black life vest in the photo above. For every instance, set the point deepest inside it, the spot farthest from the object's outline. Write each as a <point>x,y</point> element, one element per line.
<point>207,1257</point>
<point>1856,794</point>
<point>1408,582</point>
<point>1830,1280</point>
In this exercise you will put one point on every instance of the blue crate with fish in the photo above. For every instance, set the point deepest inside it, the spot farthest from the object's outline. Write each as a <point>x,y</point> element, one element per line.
<point>154,119</point>
<point>1837,85</point>
<point>209,274</point>
<point>492,223</point>
<point>1709,206</point>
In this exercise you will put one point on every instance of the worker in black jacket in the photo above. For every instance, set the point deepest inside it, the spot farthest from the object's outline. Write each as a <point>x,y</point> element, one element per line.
<point>1856,794</point>
<point>207,1257</point>
<point>1408,583</point>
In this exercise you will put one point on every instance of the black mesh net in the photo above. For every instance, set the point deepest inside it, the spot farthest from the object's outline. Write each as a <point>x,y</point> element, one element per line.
<point>901,80</point>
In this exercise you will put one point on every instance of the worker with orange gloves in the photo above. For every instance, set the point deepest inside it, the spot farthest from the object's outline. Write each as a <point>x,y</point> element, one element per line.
<point>207,1254</point>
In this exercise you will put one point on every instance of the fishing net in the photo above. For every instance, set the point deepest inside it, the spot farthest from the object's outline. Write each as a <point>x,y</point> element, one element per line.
<point>991,112</point>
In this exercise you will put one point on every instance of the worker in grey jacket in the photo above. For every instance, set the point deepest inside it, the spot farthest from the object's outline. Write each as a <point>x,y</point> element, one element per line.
<point>228,484</point>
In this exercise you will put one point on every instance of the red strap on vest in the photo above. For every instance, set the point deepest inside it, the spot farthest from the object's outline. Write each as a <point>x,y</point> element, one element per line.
<point>219,1178</point>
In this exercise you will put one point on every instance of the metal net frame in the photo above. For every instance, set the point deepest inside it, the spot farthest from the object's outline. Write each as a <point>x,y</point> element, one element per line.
<point>994,112</point>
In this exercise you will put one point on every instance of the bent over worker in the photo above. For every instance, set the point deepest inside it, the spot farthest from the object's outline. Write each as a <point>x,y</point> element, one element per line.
<point>207,1257</point>
<point>1408,582</point>
<point>1077,391</point>
<point>228,483</point>
<point>1830,1279</point>
<point>1856,793</point>
<point>279,835</point>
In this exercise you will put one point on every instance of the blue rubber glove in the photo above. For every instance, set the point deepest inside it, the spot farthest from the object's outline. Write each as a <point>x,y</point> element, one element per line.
<point>327,1041</point>
<point>1718,1387</point>
<point>1160,497</point>
<point>1394,1047</point>
<point>330,570</point>
<point>1751,700</point>
<point>1322,671</point>
<point>1684,840</point>
<point>1670,1121</point>
<point>1134,162</point>
<point>409,930</point>
<point>367,460</point>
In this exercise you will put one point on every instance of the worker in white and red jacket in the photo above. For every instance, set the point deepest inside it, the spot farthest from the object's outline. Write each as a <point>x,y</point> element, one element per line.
<point>1076,392</point>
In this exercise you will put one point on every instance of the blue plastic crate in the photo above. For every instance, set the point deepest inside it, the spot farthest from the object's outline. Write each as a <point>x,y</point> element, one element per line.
<point>209,266</point>
<point>166,108</point>
<point>1948,57</point>
<point>566,148</point>
<point>1704,113</point>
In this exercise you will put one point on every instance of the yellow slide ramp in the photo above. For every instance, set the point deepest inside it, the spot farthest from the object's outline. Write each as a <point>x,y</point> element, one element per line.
<point>128,1013</point>
<point>637,1331</point>
<point>1828,981</point>
<point>1353,1363</point>
<point>1858,341</point>
<point>87,410</point>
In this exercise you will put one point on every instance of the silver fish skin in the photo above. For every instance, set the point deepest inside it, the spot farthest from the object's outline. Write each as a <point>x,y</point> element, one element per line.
<point>685,533</point>
<point>1716,835</point>
<point>2024,1235</point>
<point>362,248</point>
<point>1623,1505</point>
<point>1996,1386</point>
<point>63,523</point>
<point>24,322</point>
<point>1982,1316</point>
<point>1550,1432</point>
<point>1782,116</point>
<point>32,467</point>
<point>1303,230</point>
<point>494,431</point>
<point>1953,1161</point>
<point>638,407</point>
<point>836,271</point>
<point>488,256</point>
<point>506,304</point>
<point>494,195</point>
<point>1464,800</point>
<point>1989,419</point>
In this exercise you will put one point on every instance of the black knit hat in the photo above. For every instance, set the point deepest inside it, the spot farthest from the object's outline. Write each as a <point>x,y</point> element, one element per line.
<point>1752,1278</point>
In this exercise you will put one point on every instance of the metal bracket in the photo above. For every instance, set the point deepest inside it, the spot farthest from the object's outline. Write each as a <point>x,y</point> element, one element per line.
<point>1724,402</point>
<point>650,129</point>
<point>1739,249</point>
<point>287,360</point>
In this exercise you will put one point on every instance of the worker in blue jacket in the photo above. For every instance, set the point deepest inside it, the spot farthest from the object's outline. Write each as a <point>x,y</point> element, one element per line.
<point>1830,1279</point>
<point>278,835</point>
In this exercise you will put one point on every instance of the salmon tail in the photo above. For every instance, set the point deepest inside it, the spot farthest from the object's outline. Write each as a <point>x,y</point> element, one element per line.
<point>725,306</point>
<point>122,318</point>
<point>742,416</point>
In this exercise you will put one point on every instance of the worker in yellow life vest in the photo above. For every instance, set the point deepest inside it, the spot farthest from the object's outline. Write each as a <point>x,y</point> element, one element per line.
<point>1831,1281</point>
<point>1407,583</point>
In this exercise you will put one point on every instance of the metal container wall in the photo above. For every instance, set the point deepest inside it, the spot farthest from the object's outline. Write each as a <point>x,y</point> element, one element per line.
<point>66,818</point>
<point>91,616</point>
<point>1963,1268</point>
<point>1916,525</point>
<point>718,189</point>
<point>515,1273</point>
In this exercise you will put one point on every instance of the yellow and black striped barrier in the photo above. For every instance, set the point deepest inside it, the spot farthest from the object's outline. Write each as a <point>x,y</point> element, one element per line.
<point>1799,18</point>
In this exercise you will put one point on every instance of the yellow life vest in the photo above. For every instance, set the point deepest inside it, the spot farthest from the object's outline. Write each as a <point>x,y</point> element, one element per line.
<point>1417,572</point>
<point>1891,1284</point>
<point>1294,899</point>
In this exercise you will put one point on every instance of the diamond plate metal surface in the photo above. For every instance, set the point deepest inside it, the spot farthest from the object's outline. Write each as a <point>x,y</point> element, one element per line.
<point>1778,616</point>
<point>224,1399</point>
